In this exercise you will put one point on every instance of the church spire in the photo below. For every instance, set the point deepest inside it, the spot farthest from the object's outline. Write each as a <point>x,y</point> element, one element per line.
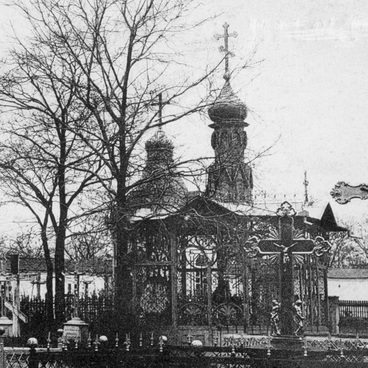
<point>229,178</point>
<point>306,183</point>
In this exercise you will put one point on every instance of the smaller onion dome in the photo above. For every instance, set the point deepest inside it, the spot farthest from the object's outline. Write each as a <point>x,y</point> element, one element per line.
<point>227,107</point>
<point>159,141</point>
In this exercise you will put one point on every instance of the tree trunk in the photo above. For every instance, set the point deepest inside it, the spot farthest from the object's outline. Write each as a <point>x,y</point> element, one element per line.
<point>123,271</point>
<point>49,278</point>
<point>61,232</point>
<point>59,279</point>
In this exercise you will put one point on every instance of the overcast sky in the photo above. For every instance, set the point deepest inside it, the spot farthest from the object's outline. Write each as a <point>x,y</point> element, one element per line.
<point>308,98</point>
<point>310,91</point>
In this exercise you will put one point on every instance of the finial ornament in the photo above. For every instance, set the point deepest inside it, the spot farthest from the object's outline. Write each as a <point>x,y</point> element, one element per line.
<point>225,48</point>
<point>306,183</point>
<point>286,210</point>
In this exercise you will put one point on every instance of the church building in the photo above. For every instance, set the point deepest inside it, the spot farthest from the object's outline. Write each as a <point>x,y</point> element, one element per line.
<point>212,263</point>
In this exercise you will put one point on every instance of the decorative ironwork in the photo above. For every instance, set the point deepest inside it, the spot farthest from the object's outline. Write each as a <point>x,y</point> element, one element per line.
<point>153,291</point>
<point>210,277</point>
<point>297,260</point>
<point>152,249</point>
<point>155,298</point>
<point>344,193</point>
<point>193,314</point>
<point>235,352</point>
<point>17,358</point>
<point>285,210</point>
<point>322,246</point>
<point>264,287</point>
<point>227,314</point>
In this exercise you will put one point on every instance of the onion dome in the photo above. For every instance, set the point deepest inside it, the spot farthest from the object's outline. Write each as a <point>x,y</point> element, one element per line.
<point>160,150</point>
<point>162,188</point>
<point>228,107</point>
<point>159,141</point>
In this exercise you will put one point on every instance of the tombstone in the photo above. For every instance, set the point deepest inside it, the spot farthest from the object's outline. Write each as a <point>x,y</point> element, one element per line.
<point>7,325</point>
<point>75,330</point>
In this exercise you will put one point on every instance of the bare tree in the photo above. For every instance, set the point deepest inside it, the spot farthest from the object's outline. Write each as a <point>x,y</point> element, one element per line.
<point>82,88</point>
<point>348,251</point>
<point>89,240</point>
<point>44,166</point>
<point>25,244</point>
<point>43,171</point>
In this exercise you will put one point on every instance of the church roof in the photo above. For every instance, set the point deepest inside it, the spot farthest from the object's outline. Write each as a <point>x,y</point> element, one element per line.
<point>159,141</point>
<point>228,108</point>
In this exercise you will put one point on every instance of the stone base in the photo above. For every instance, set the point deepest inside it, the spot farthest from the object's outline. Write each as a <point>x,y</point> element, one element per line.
<point>287,342</point>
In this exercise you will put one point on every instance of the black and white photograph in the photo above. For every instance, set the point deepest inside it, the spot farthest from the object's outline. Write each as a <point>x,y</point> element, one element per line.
<point>183,183</point>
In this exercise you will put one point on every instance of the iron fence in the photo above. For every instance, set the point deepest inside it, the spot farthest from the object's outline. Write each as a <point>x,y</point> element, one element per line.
<point>353,308</point>
<point>353,317</point>
<point>252,352</point>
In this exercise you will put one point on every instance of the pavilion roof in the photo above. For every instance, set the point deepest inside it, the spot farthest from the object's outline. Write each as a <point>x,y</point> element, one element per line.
<point>318,214</point>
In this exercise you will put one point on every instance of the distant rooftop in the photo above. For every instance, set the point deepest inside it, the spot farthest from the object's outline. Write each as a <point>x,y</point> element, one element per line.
<point>347,273</point>
<point>35,265</point>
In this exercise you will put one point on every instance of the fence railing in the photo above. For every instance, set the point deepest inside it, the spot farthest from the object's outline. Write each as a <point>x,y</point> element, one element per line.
<point>157,353</point>
<point>96,310</point>
<point>89,308</point>
<point>353,308</point>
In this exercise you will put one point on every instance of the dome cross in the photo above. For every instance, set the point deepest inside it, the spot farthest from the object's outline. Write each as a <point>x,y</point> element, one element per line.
<point>160,103</point>
<point>225,48</point>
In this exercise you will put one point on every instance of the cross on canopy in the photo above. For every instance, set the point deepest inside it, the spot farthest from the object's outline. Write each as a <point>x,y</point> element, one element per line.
<point>225,48</point>
<point>269,247</point>
<point>286,246</point>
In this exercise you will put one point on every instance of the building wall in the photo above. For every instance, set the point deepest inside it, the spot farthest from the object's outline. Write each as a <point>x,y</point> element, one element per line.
<point>348,289</point>
<point>28,284</point>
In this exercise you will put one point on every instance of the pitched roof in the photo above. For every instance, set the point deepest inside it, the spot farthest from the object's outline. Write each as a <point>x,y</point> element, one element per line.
<point>35,265</point>
<point>321,214</point>
<point>347,273</point>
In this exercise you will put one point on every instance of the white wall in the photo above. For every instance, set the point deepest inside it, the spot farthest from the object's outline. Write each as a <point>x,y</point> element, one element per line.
<point>29,288</point>
<point>348,289</point>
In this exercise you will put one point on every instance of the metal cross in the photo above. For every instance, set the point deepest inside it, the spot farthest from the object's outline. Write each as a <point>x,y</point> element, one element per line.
<point>225,48</point>
<point>344,193</point>
<point>286,246</point>
<point>160,105</point>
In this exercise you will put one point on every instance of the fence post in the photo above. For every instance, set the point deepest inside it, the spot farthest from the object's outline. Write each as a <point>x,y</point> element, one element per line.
<point>2,352</point>
<point>334,321</point>
<point>32,362</point>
